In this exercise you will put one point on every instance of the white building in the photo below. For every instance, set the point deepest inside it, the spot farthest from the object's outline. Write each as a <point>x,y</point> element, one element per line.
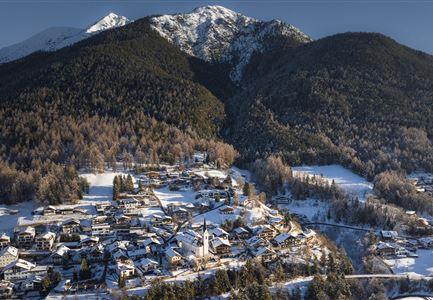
<point>8,255</point>
<point>25,236</point>
<point>45,241</point>
<point>5,240</point>
<point>192,242</point>
<point>22,269</point>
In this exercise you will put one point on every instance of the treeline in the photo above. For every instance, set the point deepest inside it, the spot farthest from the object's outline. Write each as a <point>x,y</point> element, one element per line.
<point>274,176</point>
<point>53,184</point>
<point>38,146</point>
<point>395,188</point>
<point>251,281</point>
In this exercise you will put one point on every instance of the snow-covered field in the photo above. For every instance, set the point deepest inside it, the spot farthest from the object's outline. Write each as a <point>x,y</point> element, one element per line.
<point>344,178</point>
<point>314,210</point>
<point>101,186</point>
<point>212,173</point>
<point>174,197</point>
<point>9,221</point>
<point>422,265</point>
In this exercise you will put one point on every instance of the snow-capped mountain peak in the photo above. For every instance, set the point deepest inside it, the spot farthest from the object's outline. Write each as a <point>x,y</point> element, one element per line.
<point>218,34</point>
<point>55,38</point>
<point>109,21</point>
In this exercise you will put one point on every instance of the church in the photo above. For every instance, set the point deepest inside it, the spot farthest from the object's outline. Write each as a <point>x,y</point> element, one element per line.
<point>194,243</point>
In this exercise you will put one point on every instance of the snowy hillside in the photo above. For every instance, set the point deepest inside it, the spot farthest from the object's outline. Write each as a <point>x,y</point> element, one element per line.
<point>215,33</point>
<point>58,37</point>
<point>344,178</point>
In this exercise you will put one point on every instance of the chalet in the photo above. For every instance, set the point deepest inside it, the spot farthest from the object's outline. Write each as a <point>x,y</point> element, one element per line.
<point>386,249</point>
<point>125,269</point>
<point>60,255</point>
<point>86,226</point>
<point>101,229</point>
<point>158,220</point>
<point>71,226</point>
<point>219,232</point>
<point>265,232</point>
<point>6,289</point>
<point>21,269</point>
<point>25,237</point>
<point>96,253</point>
<point>49,210</point>
<point>180,213</point>
<point>172,256</point>
<point>241,233</point>
<point>307,235</point>
<point>220,246</point>
<point>128,204</point>
<point>151,244</point>
<point>66,210</point>
<point>89,241</point>
<point>8,255</point>
<point>137,254</point>
<point>265,254</point>
<point>101,207</point>
<point>32,283</point>
<point>227,210</point>
<point>5,240</point>
<point>145,265</point>
<point>285,240</point>
<point>45,241</point>
<point>256,241</point>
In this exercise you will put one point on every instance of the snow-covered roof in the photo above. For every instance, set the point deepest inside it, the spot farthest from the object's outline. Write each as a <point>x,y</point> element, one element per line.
<point>47,236</point>
<point>240,230</point>
<point>146,262</point>
<point>20,263</point>
<point>216,242</point>
<point>389,233</point>
<point>10,250</point>
<point>170,252</point>
<point>218,231</point>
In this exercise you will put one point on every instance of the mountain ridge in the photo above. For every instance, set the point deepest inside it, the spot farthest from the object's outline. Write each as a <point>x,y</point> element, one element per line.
<point>219,35</point>
<point>55,38</point>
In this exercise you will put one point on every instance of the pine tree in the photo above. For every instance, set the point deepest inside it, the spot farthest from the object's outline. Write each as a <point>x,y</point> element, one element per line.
<point>246,189</point>
<point>85,272</point>
<point>116,187</point>
<point>129,184</point>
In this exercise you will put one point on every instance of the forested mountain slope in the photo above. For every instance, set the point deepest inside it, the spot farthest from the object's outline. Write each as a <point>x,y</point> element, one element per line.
<point>356,98</point>
<point>123,93</point>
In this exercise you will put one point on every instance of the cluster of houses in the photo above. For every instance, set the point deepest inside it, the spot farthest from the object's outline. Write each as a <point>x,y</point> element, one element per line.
<point>390,244</point>
<point>122,240</point>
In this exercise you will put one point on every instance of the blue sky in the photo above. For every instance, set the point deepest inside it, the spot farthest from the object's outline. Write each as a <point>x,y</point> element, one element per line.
<point>408,21</point>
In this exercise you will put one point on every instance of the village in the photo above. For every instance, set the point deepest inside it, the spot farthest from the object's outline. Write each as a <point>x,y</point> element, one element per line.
<point>171,223</point>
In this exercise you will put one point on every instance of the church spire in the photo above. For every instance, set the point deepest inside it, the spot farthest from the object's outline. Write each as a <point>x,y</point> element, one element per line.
<point>204,225</point>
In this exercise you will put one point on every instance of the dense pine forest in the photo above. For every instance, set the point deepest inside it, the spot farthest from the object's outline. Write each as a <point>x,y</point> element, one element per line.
<point>359,99</point>
<point>124,95</point>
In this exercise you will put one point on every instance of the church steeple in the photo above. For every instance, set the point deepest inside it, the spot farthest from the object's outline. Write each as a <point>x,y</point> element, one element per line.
<point>205,239</point>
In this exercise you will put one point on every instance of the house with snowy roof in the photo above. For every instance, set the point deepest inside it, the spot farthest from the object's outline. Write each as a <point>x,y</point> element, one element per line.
<point>21,269</point>
<point>173,257</point>
<point>25,237</point>
<point>8,255</point>
<point>145,265</point>
<point>45,241</point>
<point>220,246</point>
<point>265,254</point>
<point>5,240</point>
